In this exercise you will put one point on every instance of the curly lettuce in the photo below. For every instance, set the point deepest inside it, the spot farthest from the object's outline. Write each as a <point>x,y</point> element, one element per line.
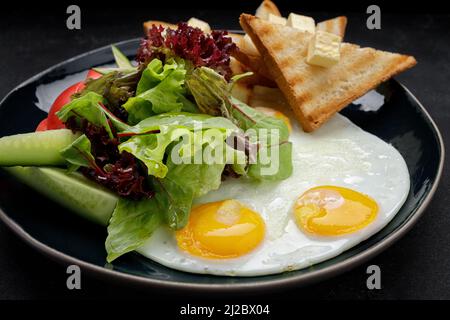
<point>161,89</point>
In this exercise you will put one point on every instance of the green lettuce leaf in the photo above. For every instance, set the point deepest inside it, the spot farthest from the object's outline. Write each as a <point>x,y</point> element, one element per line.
<point>131,224</point>
<point>116,87</point>
<point>150,149</point>
<point>78,154</point>
<point>161,89</point>
<point>268,170</point>
<point>182,184</point>
<point>90,107</point>
<point>154,74</point>
<point>209,90</point>
<point>117,123</point>
<point>247,118</point>
<point>87,107</point>
<point>270,134</point>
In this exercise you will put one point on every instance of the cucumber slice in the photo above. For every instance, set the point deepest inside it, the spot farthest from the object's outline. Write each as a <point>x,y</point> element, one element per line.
<point>71,190</point>
<point>35,149</point>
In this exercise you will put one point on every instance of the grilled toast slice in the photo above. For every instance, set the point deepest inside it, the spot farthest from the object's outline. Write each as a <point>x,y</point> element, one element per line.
<point>255,79</point>
<point>267,7</point>
<point>253,62</point>
<point>253,59</point>
<point>316,93</point>
<point>336,25</point>
<point>248,54</point>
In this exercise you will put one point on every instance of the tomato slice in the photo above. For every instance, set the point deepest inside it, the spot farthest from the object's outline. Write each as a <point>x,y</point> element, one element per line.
<point>64,98</point>
<point>61,100</point>
<point>42,125</point>
<point>92,74</point>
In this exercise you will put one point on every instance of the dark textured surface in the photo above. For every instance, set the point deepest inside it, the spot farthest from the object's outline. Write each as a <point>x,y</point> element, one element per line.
<point>416,267</point>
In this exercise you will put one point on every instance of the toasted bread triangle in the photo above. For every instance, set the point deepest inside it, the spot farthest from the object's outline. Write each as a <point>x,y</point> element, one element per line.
<point>316,93</point>
<point>336,25</point>
<point>255,62</point>
<point>267,7</point>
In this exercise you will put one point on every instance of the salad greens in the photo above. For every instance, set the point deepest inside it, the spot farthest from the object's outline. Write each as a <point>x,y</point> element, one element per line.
<point>134,221</point>
<point>131,224</point>
<point>116,87</point>
<point>78,154</point>
<point>167,131</point>
<point>213,96</point>
<point>155,73</point>
<point>87,107</point>
<point>158,130</point>
<point>182,184</point>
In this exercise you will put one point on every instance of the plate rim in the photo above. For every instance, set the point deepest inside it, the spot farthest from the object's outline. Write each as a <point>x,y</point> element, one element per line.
<point>299,280</point>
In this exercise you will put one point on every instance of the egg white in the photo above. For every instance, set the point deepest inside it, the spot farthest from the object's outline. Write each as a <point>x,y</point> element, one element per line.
<point>339,154</point>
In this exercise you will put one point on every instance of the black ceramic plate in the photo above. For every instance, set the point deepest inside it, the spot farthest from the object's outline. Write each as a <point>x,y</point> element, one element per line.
<point>401,120</point>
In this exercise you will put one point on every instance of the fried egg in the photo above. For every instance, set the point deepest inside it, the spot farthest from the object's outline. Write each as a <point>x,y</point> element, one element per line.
<point>221,230</point>
<point>347,185</point>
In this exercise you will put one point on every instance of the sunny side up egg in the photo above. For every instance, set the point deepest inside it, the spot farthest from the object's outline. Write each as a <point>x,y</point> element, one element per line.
<point>272,227</point>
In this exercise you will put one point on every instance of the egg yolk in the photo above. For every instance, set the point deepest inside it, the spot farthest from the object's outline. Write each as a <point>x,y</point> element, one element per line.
<point>276,114</point>
<point>333,211</point>
<point>220,230</point>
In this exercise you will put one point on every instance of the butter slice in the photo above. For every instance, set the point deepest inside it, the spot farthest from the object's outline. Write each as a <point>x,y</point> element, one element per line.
<point>303,23</point>
<point>324,49</point>
<point>276,19</point>
<point>197,23</point>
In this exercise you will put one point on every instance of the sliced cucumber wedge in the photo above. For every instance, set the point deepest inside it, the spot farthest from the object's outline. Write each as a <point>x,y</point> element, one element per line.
<point>35,149</point>
<point>71,190</point>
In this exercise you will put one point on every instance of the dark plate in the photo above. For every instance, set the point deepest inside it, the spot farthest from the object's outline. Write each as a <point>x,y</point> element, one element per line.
<point>67,238</point>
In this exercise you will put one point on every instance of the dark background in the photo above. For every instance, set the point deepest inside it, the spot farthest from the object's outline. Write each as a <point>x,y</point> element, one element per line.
<point>416,267</point>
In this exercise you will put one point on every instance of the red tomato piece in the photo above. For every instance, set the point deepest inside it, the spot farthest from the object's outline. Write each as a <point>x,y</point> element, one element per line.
<point>92,74</point>
<point>42,125</point>
<point>61,100</point>
<point>64,98</point>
